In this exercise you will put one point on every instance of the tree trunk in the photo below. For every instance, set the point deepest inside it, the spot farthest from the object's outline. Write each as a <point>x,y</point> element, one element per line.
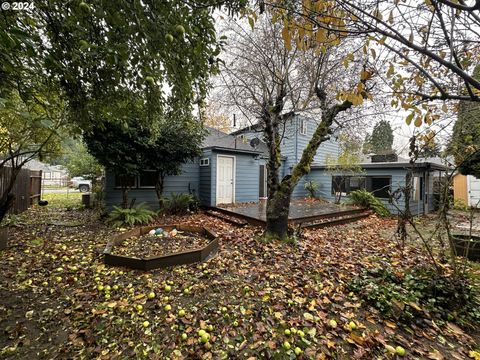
<point>7,198</point>
<point>6,203</point>
<point>278,206</point>
<point>159,189</point>
<point>124,197</point>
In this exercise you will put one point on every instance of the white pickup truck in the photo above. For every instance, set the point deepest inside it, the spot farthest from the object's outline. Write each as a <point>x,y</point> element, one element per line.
<point>81,184</point>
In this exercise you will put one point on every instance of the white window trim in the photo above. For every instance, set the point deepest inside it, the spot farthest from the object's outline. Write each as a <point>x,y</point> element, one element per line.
<point>303,126</point>
<point>206,162</point>
<point>234,180</point>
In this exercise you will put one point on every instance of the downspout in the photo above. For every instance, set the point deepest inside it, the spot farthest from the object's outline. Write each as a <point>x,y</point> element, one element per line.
<point>296,140</point>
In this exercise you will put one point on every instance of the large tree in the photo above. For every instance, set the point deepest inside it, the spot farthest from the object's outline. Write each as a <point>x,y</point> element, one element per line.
<point>271,81</point>
<point>90,60</point>
<point>172,145</point>
<point>119,149</point>
<point>32,111</point>
<point>465,143</point>
<point>425,51</point>
<point>381,139</point>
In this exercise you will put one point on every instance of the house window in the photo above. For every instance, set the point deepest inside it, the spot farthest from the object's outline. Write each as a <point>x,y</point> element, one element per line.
<point>303,126</point>
<point>205,162</point>
<point>380,186</point>
<point>147,179</point>
<point>128,181</point>
<point>339,184</point>
<point>356,183</point>
<point>47,175</point>
<point>347,184</point>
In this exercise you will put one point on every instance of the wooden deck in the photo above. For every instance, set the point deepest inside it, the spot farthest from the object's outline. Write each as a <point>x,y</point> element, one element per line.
<point>303,214</point>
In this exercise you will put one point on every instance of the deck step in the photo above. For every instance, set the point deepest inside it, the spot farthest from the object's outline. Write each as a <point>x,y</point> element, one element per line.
<point>336,220</point>
<point>230,219</point>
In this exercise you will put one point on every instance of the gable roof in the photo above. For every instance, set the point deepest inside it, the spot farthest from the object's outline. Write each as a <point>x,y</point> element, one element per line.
<point>221,140</point>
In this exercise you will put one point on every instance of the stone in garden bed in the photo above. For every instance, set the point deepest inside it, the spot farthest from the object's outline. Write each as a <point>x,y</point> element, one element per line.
<point>147,248</point>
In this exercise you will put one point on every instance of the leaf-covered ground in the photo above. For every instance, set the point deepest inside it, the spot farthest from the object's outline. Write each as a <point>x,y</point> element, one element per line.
<point>253,300</point>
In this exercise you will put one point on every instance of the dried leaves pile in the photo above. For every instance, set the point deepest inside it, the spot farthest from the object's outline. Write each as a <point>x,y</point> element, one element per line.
<point>255,299</point>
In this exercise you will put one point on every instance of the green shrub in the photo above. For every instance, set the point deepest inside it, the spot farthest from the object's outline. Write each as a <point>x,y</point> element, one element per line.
<point>180,204</point>
<point>368,200</point>
<point>460,204</point>
<point>404,295</point>
<point>139,214</point>
<point>312,187</point>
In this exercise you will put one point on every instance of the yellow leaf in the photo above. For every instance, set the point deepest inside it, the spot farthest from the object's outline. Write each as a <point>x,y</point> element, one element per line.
<point>418,121</point>
<point>251,21</point>
<point>308,316</point>
<point>390,70</point>
<point>374,53</point>
<point>410,118</point>
<point>286,38</point>
<point>474,355</point>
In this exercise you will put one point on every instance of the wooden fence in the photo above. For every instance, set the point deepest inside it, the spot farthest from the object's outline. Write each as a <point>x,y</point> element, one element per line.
<point>27,188</point>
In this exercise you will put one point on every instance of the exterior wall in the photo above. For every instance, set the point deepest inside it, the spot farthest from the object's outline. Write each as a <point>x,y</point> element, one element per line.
<point>460,189</point>
<point>324,180</point>
<point>247,176</point>
<point>186,182</point>
<point>205,180</point>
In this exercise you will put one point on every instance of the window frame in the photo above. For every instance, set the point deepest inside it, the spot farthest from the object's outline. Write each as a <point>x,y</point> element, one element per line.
<point>117,186</point>
<point>139,179</point>
<point>204,161</point>
<point>373,192</point>
<point>303,127</point>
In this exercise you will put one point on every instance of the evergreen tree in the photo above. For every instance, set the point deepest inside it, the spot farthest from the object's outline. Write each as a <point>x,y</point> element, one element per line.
<point>465,144</point>
<point>381,140</point>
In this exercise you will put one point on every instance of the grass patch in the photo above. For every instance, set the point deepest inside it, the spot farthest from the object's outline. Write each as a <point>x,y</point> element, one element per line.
<point>71,200</point>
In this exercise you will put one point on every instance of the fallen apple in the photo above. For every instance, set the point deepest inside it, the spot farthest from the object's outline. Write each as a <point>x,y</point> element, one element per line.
<point>146,323</point>
<point>400,351</point>
<point>181,313</point>
<point>204,338</point>
<point>287,332</point>
<point>179,29</point>
<point>184,336</point>
<point>286,345</point>
<point>168,307</point>
<point>151,295</point>
<point>167,288</point>
<point>332,323</point>
<point>297,351</point>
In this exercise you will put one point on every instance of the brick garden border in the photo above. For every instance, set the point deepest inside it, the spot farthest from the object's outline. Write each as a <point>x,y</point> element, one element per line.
<point>157,262</point>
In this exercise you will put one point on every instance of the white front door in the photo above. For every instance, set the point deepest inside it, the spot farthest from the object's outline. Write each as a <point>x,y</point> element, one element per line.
<point>225,179</point>
<point>474,191</point>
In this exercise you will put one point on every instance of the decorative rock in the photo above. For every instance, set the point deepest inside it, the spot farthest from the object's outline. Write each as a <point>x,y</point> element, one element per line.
<point>173,233</point>
<point>151,232</point>
<point>158,231</point>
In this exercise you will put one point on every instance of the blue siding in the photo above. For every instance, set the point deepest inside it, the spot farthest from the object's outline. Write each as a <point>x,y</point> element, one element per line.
<point>247,176</point>
<point>324,180</point>
<point>187,181</point>
<point>205,180</point>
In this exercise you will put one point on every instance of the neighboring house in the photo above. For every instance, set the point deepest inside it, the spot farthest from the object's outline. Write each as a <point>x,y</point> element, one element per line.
<point>467,189</point>
<point>52,175</point>
<point>232,169</point>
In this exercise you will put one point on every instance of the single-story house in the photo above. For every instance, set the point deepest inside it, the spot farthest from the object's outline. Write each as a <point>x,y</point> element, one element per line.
<point>232,169</point>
